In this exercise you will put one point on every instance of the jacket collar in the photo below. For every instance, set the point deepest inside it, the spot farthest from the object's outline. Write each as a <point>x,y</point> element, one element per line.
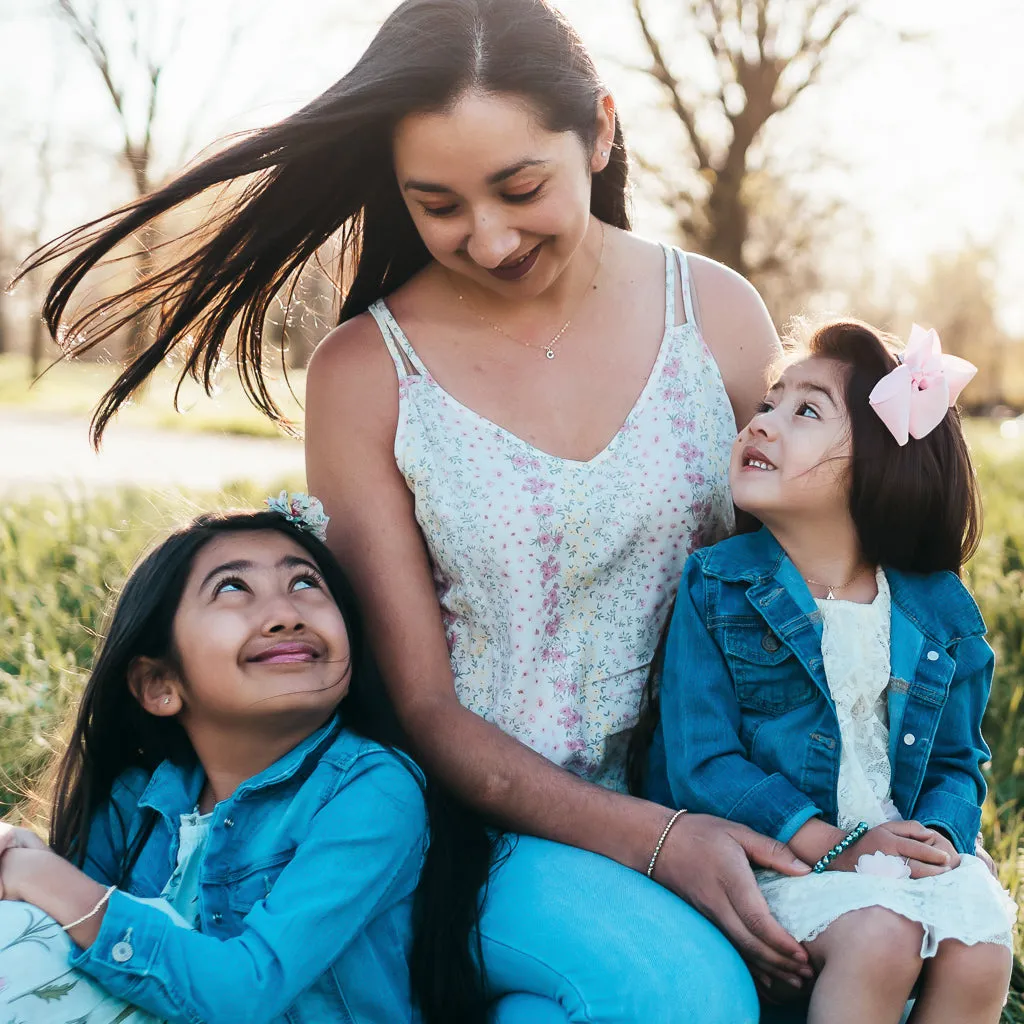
<point>938,604</point>
<point>174,789</point>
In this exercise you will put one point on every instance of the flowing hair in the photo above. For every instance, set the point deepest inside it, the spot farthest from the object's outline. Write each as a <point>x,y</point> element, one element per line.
<point>113,733</point>
<point>324,173</point>
<point>915,507</point>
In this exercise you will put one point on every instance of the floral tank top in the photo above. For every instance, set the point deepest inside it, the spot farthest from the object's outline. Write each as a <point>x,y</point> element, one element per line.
<point>555,576</point>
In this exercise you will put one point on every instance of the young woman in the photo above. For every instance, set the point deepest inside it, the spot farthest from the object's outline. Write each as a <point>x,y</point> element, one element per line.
<point>226,841</point>
<point>521,427</point>
<point>825,679</point>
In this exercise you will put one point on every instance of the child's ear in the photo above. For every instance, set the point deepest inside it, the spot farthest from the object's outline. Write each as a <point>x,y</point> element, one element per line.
<point>155,686</point>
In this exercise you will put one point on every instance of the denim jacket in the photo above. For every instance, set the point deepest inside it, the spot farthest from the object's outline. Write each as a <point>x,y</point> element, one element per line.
<point>748,727</point>
<point>305,890</point>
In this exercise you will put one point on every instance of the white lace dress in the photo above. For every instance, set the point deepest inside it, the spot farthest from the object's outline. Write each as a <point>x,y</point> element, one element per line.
<point>967,903</point>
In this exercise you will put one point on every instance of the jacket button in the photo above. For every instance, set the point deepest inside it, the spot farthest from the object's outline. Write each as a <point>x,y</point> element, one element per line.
<point>910,739</point>
<point>122,952</point>
<point>229,823</point>
<point>216,917</point>
<point>770,642</point>
<point>932,655</point>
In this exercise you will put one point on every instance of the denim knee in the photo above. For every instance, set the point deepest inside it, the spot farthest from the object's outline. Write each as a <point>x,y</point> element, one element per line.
<point>606,944</point>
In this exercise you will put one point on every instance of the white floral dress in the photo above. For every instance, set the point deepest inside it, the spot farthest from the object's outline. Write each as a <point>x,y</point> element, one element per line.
<point>967,903</point>
<point>555,576</point>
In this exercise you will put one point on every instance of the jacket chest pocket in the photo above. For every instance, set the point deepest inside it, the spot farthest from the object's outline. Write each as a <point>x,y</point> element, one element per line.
<point>766,673</point>
<point>246,889</point>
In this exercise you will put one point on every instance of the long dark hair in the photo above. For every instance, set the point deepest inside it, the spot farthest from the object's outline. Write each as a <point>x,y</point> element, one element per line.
<point>325,172</point>
<point>915,507</point>
<point>112,733</point>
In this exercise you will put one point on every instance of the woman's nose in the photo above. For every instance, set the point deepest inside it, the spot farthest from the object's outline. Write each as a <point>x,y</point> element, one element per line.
<point>492,241</point>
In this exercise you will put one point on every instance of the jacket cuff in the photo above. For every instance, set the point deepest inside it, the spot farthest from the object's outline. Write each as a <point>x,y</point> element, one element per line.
<point>960,818</point>
<point>774,808</point>
<point>126,947</point>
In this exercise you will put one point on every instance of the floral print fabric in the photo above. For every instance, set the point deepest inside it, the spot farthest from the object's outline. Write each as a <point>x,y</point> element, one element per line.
<point>555,576</point>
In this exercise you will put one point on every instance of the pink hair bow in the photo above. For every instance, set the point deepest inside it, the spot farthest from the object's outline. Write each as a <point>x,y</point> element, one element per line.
<point>913,399</point>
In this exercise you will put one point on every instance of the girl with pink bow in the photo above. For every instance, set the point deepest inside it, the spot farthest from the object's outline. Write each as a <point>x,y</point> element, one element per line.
<point>825,678</point>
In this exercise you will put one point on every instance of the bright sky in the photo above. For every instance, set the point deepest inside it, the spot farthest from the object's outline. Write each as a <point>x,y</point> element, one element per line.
<point>924,140</point>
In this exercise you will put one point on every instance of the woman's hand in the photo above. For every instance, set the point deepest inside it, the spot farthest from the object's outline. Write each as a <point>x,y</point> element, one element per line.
<point>924,850</point>
<point>706,861</point>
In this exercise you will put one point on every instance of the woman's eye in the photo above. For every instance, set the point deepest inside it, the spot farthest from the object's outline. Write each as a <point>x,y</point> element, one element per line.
<point>440,211</point>
<point>308,582</point>
<point>808,411</point>
<point>230,585</point>
<point>523,197</point>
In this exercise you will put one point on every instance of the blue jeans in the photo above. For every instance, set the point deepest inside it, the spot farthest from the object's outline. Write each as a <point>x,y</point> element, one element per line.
<point>570,936</point>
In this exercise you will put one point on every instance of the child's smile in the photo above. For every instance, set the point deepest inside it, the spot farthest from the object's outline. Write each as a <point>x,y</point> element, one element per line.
<point>793,456</point>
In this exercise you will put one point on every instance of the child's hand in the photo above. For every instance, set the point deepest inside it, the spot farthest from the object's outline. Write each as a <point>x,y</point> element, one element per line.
<point>20,865</point>
<point>12,837</point>
<point>911,841</point>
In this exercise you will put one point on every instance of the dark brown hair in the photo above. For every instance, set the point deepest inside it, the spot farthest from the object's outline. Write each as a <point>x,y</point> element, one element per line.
<point>112,734</point>
<point>326,172</point>
<point>916,507</point>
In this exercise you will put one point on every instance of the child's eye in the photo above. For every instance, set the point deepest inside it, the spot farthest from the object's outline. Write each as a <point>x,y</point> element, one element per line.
<point>307,582</point>
<point>764,407</point>
<point>806,409</point>
<point>231,584</point>
<point>523,197</point>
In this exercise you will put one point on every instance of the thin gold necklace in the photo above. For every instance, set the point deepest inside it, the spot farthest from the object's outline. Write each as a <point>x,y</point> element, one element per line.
<point>829,588</point>
<point>548,347</point>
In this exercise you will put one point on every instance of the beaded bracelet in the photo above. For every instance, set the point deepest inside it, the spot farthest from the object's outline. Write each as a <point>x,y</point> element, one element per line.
<point>92,913</point>
<point>840,847</point>
<point>661,842</point>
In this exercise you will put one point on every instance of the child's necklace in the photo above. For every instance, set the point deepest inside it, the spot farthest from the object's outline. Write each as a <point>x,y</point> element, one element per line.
<point>830,588</point>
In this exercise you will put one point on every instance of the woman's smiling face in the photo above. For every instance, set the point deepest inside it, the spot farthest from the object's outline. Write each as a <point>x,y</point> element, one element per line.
<point>793,458</point>
<point>495,196</point>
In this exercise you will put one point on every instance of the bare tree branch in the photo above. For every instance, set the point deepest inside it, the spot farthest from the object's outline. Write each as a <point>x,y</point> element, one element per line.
<point>661,73</point>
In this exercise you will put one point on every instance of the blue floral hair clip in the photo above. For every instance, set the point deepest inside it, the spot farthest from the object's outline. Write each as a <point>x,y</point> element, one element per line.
<point>304,511</point>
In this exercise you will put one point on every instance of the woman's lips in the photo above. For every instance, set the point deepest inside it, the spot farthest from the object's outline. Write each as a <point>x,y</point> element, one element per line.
<point>519,268</point>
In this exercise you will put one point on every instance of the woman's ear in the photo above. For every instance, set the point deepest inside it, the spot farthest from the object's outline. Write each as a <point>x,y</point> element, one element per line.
<point>155,686</point>
<point>602,154</point>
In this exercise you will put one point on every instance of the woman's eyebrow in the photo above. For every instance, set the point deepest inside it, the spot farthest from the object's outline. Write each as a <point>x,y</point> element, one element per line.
<point>414,185</point>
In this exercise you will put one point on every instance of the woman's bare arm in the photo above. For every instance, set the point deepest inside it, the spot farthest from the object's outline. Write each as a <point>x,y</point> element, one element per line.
<point>351,419</point>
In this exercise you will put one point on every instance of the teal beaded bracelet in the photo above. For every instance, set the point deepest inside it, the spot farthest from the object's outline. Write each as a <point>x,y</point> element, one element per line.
<point>840,847</point>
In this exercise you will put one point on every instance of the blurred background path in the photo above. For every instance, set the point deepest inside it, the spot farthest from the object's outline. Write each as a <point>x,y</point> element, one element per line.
<point>46,448</point>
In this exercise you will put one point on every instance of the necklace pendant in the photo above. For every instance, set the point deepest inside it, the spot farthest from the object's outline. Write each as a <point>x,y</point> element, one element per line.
<point>549,353</point>
<point>829,596</point>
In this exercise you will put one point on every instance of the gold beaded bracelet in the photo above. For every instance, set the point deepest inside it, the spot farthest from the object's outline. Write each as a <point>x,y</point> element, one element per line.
<point>661,842</point>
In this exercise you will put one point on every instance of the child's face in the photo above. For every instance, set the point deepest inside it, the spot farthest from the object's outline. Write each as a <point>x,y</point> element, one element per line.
<point>258,634</point>
<point>793,458</point>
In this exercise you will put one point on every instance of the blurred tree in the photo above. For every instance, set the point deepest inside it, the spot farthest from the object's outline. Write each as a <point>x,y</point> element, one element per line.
<point>745,62</point>
<point>958,299</point>
<point>131,44</point>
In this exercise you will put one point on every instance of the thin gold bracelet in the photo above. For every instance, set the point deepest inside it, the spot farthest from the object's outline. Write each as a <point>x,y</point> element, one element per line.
<point>661,842</point>
<point>92,913</point>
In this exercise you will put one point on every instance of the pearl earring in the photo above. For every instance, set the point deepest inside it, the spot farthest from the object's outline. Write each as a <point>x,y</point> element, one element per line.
<point>167,700</point>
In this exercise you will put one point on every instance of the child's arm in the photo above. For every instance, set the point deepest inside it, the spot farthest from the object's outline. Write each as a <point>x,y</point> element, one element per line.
<point>954,787</point>
<point>707,764</point>
<point>362,854</point>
